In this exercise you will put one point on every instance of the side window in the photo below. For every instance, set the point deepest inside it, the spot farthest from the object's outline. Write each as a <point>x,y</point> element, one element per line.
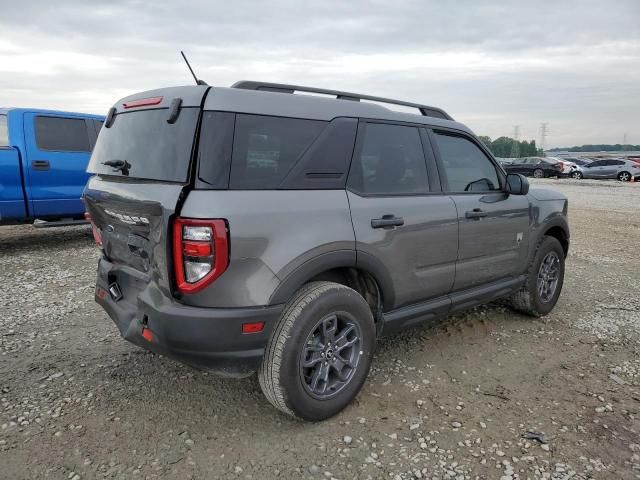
<point>466,166</point>
<point>266,148</point>
<point>4,131</point>
<point>391,162</point>
<point>597,163</point>
<point>617,162</point>
<point>62,134</point>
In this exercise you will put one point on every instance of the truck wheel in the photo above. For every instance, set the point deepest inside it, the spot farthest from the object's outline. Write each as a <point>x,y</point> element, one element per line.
<point>319,352</point>
<point>545,277</point>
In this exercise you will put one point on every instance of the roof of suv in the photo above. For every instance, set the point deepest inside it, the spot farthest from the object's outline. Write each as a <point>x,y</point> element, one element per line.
<point>280,100</point>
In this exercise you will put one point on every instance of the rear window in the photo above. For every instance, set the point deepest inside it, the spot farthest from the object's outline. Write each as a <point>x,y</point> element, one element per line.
<point>266,148</point>
<point>61,134</point>
<point>148,146</point>
<point>4,131</point>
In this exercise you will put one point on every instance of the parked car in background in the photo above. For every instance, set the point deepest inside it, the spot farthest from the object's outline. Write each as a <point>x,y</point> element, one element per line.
<point>43,161</point>
<point>567,165</point>
<point>618,168</point>
<point>538,167</point>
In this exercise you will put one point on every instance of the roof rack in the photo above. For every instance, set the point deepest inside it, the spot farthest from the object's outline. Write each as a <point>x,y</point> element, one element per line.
<point>356,97</point>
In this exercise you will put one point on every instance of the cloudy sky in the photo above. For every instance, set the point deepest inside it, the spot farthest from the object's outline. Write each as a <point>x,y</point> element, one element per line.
<point>573,64</point>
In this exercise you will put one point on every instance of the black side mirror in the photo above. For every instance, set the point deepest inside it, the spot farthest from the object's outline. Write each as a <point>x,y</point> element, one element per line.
<point>517,184</point>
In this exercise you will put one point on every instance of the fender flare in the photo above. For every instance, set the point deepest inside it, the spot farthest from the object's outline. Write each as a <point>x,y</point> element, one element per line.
<point>336,259</point>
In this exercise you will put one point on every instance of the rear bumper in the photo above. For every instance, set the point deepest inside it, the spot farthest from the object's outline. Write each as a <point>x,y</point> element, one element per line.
<point>206,338</point>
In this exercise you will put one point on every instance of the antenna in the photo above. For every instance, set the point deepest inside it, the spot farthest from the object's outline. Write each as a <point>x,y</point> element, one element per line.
<point>198,81</point>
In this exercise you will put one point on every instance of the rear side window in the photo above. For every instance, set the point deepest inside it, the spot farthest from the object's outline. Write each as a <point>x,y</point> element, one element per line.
<point>4,131</point>
<point>266,148</point>
<point>390,162</point>
<point>466,166</point>
<point>61,134</point>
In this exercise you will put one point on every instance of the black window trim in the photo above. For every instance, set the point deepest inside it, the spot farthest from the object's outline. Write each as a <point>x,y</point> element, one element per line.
<point>432,172</point>
<point>500,172</point>
<point>65,117</point>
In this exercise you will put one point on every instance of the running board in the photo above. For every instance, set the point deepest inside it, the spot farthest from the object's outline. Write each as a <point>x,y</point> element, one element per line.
<point>63,222</point>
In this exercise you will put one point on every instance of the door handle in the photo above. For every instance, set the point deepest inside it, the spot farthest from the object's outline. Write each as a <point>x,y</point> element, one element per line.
<point>476,213</point>
<point>387,221</point>
<point>40,165</point>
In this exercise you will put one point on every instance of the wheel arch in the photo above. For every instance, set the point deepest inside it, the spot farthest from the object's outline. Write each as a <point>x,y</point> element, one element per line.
<point>365,276</point>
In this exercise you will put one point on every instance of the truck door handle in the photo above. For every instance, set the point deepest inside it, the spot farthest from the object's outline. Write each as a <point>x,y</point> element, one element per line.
<point>40,165</point>
<point>476,213</point>
<point>387,221</point>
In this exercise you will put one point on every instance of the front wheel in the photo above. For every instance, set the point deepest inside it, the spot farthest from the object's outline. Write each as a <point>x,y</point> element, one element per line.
<point>319,353</point>
<point>538,173</point>
<point>545,277</point>
<point>577,175</point>
<point>624,176</point>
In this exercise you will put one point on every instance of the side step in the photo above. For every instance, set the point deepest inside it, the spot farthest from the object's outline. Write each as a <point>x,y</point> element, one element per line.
<point>63,222</point>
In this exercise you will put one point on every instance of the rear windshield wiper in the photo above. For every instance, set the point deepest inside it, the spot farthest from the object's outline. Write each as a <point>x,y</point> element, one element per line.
<point>118,165</point>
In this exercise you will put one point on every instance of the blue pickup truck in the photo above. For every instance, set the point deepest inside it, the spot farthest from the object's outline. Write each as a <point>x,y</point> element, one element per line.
<point>43,160</point>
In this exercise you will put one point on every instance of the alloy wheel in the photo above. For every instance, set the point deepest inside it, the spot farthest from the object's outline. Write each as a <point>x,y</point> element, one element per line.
<point>624,177</point>
<point>330,355</point>
<point>548,277</point>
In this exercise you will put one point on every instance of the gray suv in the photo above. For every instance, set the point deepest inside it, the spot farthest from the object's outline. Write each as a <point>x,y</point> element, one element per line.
<point>260,228</point>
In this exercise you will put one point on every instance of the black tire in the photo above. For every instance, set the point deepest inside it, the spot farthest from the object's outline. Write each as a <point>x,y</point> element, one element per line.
<point>624,176</point>
<point>577,175</point>
<point>538,173</point>
<point>528,299</point>
<point>281,374</point>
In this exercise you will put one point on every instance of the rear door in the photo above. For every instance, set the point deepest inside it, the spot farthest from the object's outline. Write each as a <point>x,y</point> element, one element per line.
<point>400,217</point>
<point>140,165</point>
<point>494,226</point>
<point>12,204</point>
<point>58,149</point>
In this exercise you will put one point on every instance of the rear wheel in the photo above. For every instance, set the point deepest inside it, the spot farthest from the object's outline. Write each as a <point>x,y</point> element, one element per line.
<point>545,277</point>
<point>319,353</point>
<point>624,176</point>
<point>538,173</point>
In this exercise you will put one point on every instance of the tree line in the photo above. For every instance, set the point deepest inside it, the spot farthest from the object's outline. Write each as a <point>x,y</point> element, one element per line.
<point>599,148</point>
<point>511,148</point>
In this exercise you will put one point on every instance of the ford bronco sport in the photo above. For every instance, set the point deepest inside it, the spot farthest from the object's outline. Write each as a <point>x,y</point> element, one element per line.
<point>260,228</point>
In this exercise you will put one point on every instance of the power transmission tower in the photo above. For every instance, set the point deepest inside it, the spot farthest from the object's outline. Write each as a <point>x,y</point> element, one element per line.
<point>624,141</point>
<point>515,148</point>
<point>544,132</point>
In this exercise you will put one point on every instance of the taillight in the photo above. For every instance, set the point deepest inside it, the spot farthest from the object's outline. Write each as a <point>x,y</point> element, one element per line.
<point>97,235</point>
<point>200,252</point>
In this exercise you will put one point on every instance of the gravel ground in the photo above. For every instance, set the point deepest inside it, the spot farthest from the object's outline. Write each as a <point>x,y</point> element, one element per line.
<point>455,400</point>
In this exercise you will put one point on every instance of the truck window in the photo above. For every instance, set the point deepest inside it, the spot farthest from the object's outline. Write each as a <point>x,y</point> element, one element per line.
<point>61,134</point>
<point>4,131</point>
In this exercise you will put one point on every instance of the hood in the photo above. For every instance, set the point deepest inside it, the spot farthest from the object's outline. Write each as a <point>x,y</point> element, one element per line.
<point>546,194</point>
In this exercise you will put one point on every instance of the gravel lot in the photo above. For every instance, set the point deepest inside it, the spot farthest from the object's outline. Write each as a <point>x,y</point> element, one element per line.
<point>446,401</point>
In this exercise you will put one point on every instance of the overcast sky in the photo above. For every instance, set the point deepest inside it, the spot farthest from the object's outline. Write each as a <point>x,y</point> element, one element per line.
<point>573,64</point>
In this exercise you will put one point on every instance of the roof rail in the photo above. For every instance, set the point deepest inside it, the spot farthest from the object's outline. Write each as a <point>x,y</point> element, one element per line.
<point>356,97</point>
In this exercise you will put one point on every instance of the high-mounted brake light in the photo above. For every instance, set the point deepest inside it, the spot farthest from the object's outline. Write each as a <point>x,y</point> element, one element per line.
<point>200,252</point>
<point>142,102</point>
<point>97,235</point>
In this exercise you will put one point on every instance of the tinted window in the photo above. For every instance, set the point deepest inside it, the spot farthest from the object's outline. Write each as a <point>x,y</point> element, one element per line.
<point>617,162</point>
<point>4,131</point>
<point>62,134</point>
<point>216,143</point>
<point>147,145</point>
<point>597,163</point>
<point>467,168</point>
<point>391,161</point>
<point>266,148</point>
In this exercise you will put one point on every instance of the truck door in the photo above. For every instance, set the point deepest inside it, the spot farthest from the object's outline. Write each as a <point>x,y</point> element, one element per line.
<point>58,149</point>
<point>11,197</point>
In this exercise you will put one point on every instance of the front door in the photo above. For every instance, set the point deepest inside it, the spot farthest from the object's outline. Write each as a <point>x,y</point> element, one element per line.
<point>493,225</point>
<point>58,150</point>
<point>400,217</point>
